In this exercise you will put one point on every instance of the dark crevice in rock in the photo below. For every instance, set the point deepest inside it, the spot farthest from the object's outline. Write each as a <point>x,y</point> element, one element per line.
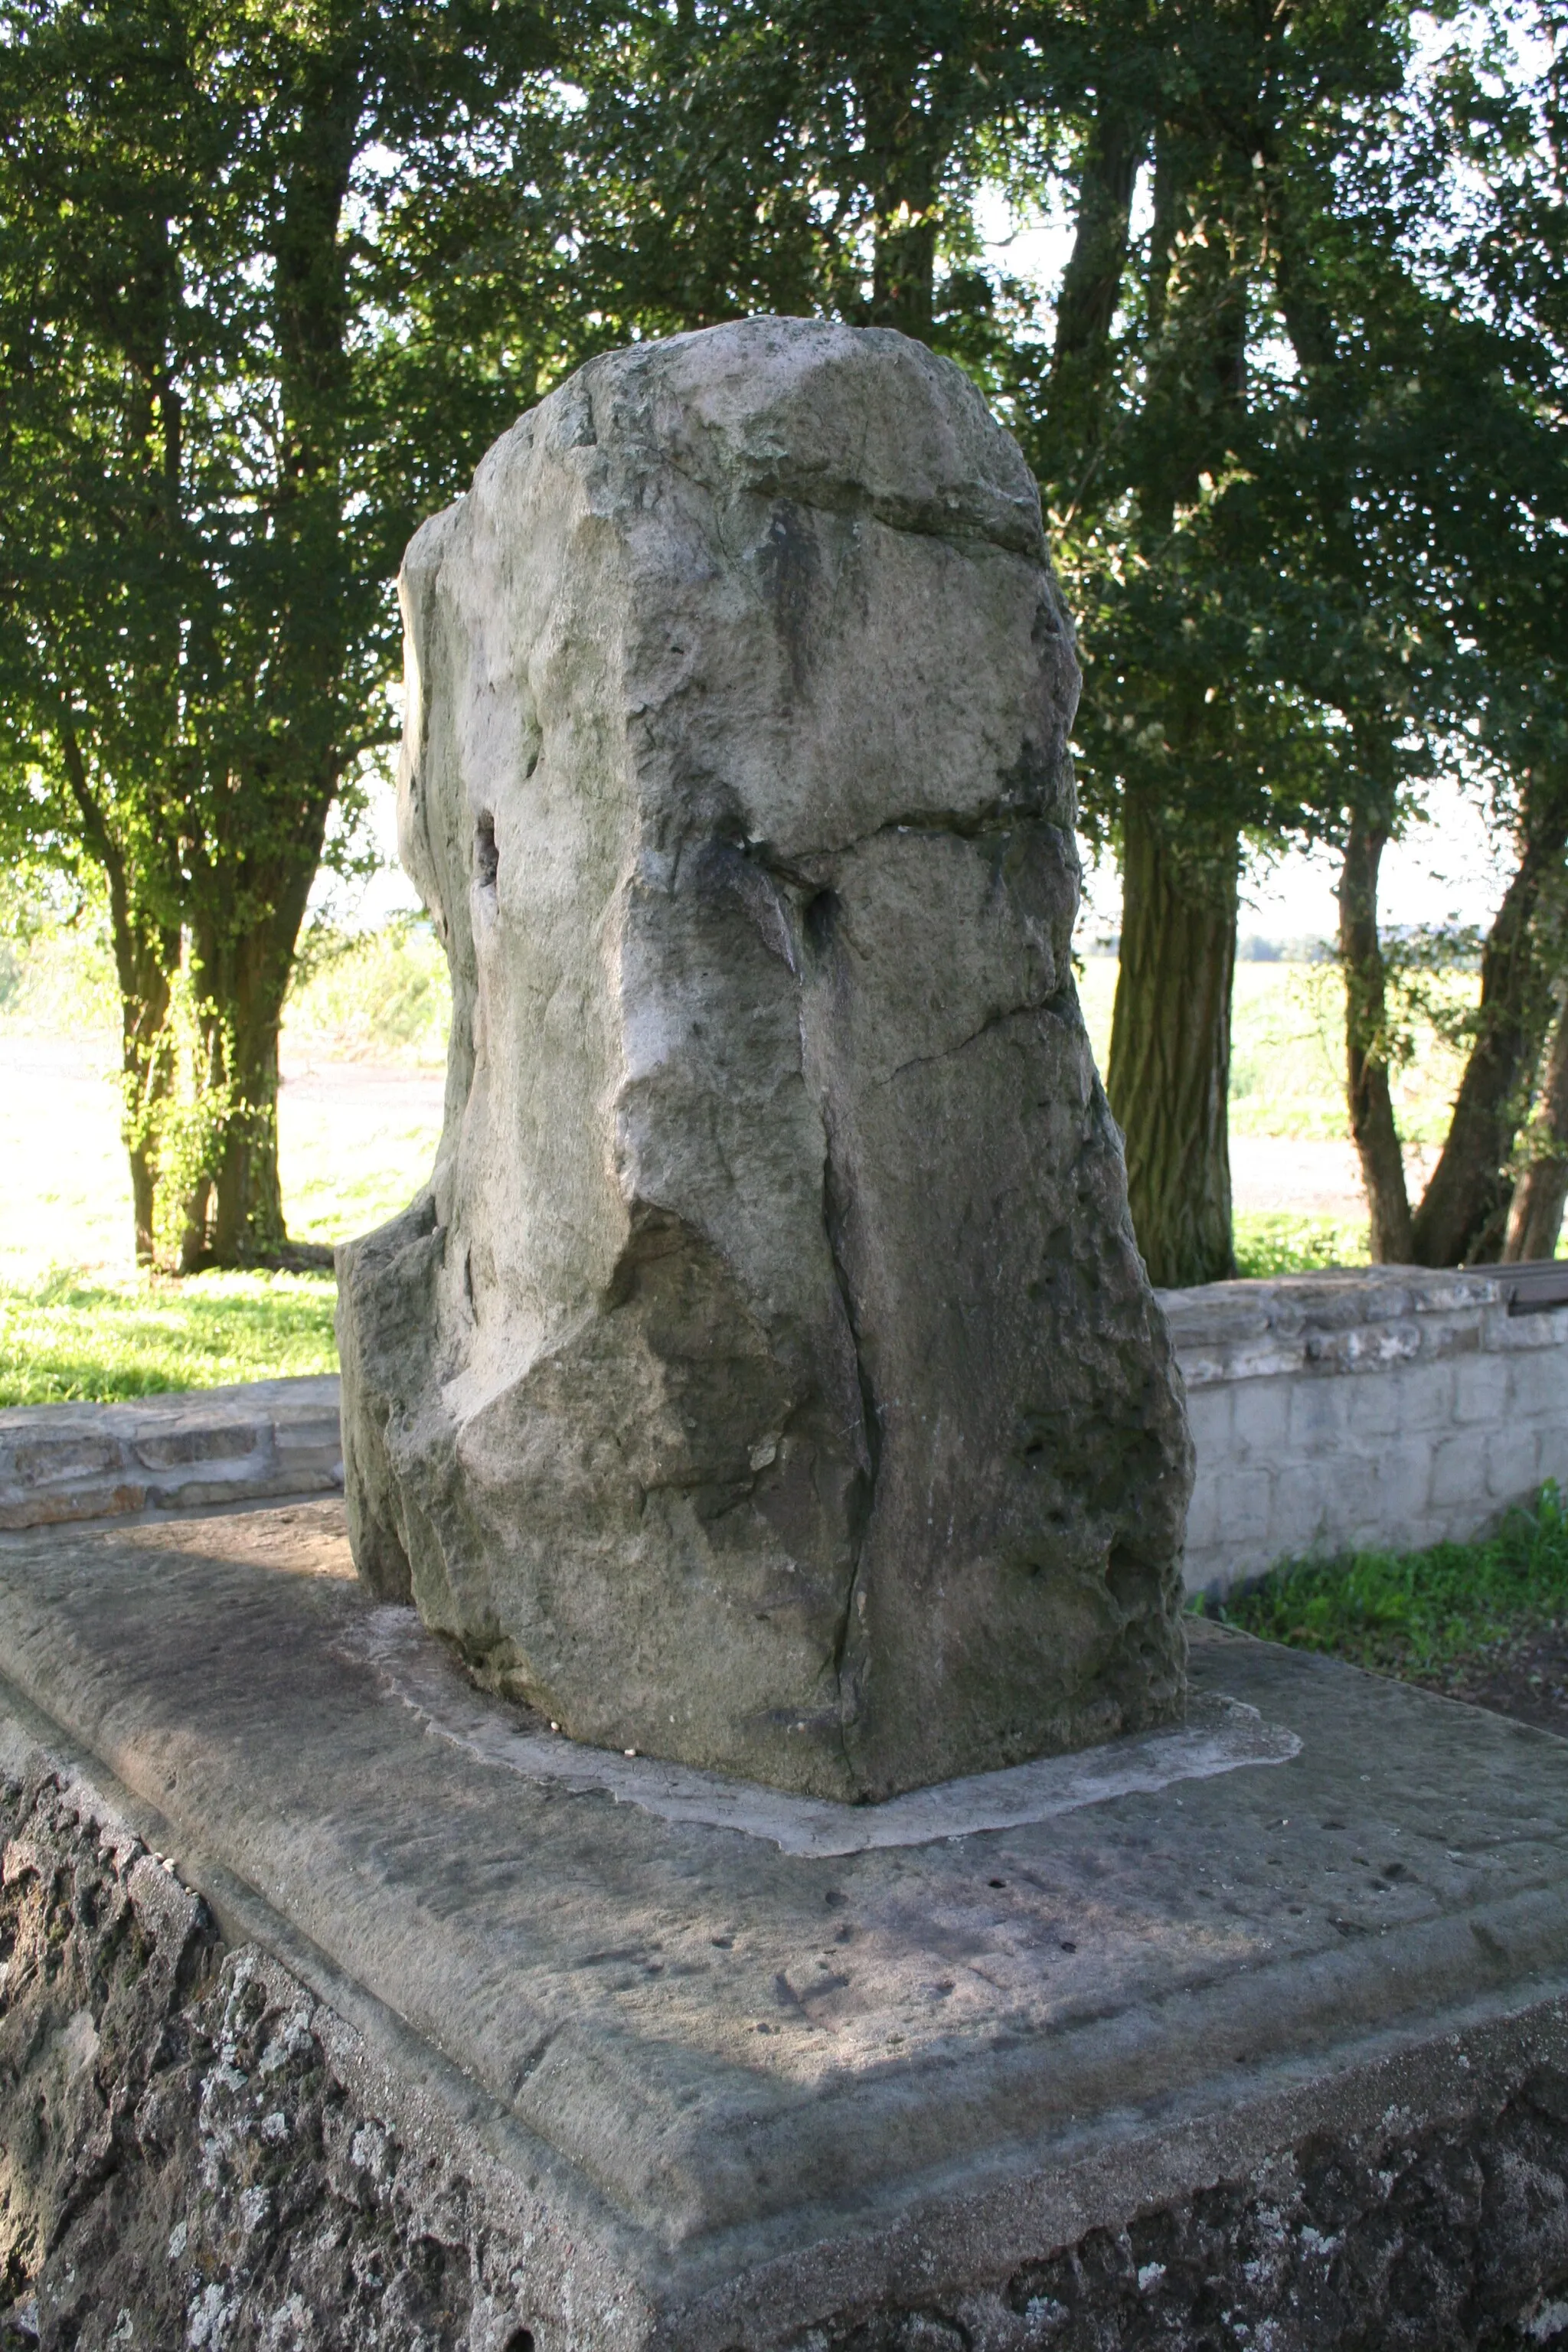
<point>724,867</point>
<point>486,857</point>
<point>835,1211</point>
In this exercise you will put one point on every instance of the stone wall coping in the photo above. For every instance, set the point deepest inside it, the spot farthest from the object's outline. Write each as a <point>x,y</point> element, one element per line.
<point>1350,1319</point>
<point>253,1440</point>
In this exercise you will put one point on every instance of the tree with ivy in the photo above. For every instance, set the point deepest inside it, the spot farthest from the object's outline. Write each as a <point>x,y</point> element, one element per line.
<point>221,416</point>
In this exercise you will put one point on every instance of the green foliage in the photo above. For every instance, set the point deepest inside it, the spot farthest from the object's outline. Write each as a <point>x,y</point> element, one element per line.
<point>271,280</point>
<point>223,416</point>
<point>72,1336</point>
<point>1417,1612</point>
<point>813,156</point>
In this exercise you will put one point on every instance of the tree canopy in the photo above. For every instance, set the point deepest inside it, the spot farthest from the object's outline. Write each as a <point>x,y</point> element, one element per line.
<point>272,278</point>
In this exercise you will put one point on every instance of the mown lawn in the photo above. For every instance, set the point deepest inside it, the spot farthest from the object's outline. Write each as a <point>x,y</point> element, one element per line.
<point>72,1336</point>
<point>1285,1242</point>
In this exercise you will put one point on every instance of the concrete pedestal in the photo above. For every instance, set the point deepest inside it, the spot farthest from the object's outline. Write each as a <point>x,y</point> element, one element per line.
<point>1256,2036</point>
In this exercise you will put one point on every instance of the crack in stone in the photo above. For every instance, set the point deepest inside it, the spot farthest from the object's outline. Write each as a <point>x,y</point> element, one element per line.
<point>1001,814</point>
<point>947,1053</point>
<point>1014,530</point>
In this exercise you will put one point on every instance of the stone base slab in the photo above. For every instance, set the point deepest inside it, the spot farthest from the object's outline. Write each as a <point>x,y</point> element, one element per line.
<point>1274,2056</point>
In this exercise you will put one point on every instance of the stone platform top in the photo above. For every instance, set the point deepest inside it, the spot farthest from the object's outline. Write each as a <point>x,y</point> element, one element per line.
<point>747,2086</point>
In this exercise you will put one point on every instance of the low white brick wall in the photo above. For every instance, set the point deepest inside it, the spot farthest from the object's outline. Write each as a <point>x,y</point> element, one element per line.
<point>1381,1406</point>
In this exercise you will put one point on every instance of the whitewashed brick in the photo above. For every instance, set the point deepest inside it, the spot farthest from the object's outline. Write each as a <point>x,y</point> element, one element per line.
<point>1245,1500</point>
<point>1459,1469</point>
<point>1376,1410</point>
<point>1261,1423</point>
<point>1481,1389</point>
<point>1202,1511</point>
<point>1427,1396</point>
<point>1400,1495</point>
<point>1317,1434</point>
<point>1538,1387</point>
<point>1551,1459</point>
<point>1211,1416</point>
<point>1302,1519</point>
<point>1513,1462</point>
<point>1320,1405</point>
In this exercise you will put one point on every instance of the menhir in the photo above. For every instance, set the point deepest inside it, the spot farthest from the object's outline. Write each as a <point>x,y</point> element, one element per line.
<point>767,1377</point>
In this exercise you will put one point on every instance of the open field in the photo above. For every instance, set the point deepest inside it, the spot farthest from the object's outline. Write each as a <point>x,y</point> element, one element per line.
<point>360,1113</point>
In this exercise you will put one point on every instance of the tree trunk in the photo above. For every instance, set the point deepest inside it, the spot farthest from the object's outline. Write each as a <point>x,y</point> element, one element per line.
<point>1535,1211</point>
<point>248,1227</point>
<point>1461,1218</point>
<point>146,957</point>
<point>249,889</point>
<point>146,1074</point>
<point>1367,1091</point>
<point>1169,1075</point>
<point>235,1217</point>
<point>903,165</point>
<point>1091,285</point>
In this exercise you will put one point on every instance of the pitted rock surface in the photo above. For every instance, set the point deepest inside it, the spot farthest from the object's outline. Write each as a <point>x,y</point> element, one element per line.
<point>768,1378</point>
<point>181,2162</point>
<point>1436,2240</point>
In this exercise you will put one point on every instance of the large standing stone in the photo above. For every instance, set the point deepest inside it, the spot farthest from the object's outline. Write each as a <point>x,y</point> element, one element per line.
<point>768,1377</point>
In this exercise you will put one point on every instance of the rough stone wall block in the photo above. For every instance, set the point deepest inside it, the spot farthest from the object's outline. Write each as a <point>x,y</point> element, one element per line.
<point>60,1463</point>
<point>768,1378</point>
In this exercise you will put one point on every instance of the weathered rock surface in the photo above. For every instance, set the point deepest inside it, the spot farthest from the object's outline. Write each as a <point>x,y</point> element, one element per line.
<point>186,2156</point>
<point>768,1378</point>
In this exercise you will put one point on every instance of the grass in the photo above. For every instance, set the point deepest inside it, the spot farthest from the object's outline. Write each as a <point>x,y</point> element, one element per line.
<point>1422,1614</point>
<point>1280,1243</point>
<point>72,1336</point>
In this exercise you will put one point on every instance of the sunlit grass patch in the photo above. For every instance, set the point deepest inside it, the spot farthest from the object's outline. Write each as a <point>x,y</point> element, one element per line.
<point>72,1336</point>
<point>1420,1612</point>
<point>1298,1241</point>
